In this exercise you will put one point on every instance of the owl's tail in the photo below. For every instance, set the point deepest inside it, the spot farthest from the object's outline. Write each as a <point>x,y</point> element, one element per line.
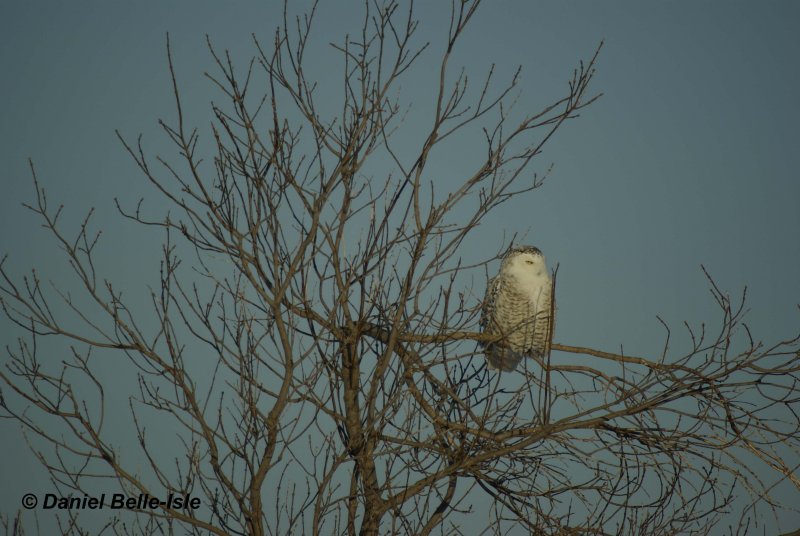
<point>501,358</point>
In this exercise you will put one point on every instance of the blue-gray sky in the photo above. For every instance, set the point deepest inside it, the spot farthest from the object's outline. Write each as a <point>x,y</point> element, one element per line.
<point>690,157</point>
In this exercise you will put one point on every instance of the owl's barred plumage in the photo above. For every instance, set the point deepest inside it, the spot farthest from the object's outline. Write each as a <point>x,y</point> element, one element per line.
<point>517,309</point>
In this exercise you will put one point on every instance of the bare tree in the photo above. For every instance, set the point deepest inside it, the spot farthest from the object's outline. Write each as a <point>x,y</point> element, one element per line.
<point>320,266</point>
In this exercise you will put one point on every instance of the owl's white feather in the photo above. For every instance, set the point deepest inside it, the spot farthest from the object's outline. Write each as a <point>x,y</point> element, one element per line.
<point>517,309</point>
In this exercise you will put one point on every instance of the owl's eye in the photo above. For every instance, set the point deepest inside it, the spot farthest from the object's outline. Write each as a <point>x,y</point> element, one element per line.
<point>528,262</point>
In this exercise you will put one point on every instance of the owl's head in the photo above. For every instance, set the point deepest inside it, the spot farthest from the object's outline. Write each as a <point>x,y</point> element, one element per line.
<point>524,261</point>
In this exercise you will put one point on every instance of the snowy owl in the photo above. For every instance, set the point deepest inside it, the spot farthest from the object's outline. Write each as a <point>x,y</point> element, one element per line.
<point>517,309</point>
